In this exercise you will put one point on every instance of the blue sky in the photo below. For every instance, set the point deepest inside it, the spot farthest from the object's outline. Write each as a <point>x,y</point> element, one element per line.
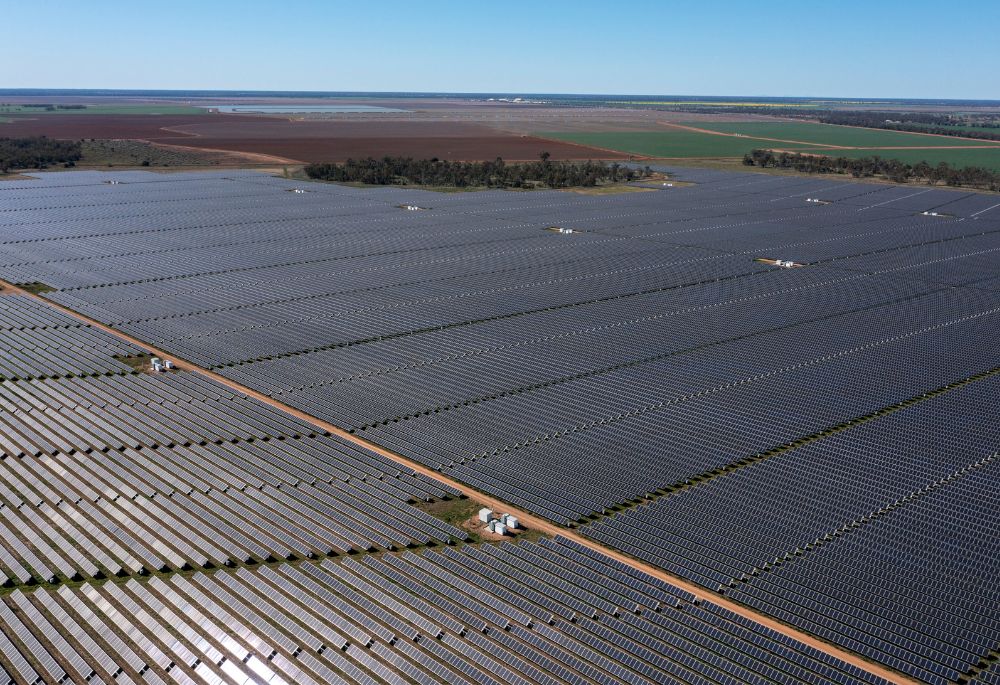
<point>846,48</point>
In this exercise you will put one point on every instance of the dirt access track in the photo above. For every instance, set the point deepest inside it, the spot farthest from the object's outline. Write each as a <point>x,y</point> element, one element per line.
<point>529,521</point>
<point>306,140</point>
<point>828,146</point>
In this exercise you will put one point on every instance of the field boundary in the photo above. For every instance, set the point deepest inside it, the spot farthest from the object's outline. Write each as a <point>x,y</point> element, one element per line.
<point>710,132</point>
<point>635,157</point>
<point>814,146</point>
<point>253,157</point>
<point>915,133</point>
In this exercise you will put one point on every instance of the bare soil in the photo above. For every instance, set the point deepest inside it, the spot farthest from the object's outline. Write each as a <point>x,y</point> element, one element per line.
<point>282,140</point>
<point>608,190</point>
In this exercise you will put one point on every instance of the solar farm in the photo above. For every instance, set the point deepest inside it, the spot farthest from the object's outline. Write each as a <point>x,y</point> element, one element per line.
<point>748,426</point>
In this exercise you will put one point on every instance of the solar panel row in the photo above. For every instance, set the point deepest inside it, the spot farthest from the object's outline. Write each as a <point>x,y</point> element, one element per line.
<point>989,676</point>
<point>125,472</point>
<point>906,498</point>
<point>429,618</point>
<point>566,373</point>
<point>39,342</point>
<point>262,322</point>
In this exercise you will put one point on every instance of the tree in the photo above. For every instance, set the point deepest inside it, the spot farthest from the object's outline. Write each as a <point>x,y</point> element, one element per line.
<point>491,174</point>
<point>868,167</point>
<point>37,152</point>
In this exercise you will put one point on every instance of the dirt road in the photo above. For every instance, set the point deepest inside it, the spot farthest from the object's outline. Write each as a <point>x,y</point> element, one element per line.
<point>246,157</point>
<point>827,146</point>
<point>740,135</point>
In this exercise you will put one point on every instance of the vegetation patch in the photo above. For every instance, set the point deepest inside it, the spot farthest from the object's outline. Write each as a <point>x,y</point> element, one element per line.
<point>987,158</point>
<point>143,363</point>
<point>37,152</point>
<point>50,108</point>
<point>15,176</point>
<point>495,174</point>
<point>667,144</point>
<point>140,363</point>
<point>39,107</point>
<point>876,167</point>
<point>608,190</point>
<point>967,126</point>
<point>456,512</point>
<point>463,513</point>
<point>36,287</point>
<point>722,140</point>
<point>134,153</point>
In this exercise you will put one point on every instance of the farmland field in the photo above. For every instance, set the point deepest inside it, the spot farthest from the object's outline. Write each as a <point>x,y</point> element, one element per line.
<point>474,131</point>
<point>676,143</point>
<point>105,109</point>
<point>979,157</point>
<point>830,134</point>
<point>304,140</point>
<point>854,142</point>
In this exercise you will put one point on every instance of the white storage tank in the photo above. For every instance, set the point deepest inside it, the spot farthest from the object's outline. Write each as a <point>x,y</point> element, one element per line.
<point>499,528</point>
<point>485,515</point>
<point>512,522</point>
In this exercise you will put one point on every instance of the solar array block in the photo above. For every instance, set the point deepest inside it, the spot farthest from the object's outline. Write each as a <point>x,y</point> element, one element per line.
<point>567,373</point>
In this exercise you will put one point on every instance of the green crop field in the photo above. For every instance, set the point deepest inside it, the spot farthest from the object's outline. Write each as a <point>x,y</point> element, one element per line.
<point>681,144</point>
<point>983,129</point>
<point>104,109</point>
<point>830,134</point>
<point>674,143</point>
<point>981,157</point>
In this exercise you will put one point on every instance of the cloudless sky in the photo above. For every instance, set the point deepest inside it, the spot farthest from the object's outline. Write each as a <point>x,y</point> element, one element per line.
<point>845,48</point>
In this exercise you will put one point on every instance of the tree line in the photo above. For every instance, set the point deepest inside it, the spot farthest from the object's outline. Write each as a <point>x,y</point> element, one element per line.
<point>37,152</point>
<point>44,106</point>
<point>877,167</point>
<point>495,174</point>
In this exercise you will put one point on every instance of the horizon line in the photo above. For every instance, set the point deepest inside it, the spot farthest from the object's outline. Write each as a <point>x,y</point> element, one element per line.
<point>371,93</point>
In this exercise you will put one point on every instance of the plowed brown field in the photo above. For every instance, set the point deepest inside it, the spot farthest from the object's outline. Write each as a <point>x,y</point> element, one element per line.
<point>307,140</point>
